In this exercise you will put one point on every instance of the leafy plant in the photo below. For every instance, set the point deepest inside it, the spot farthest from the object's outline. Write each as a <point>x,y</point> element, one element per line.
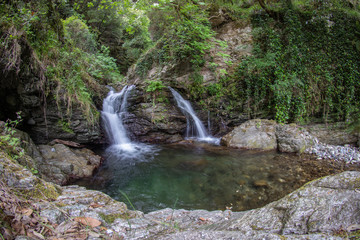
<point>302,65</point>
<point>8,141</point>
<point>155,87</point>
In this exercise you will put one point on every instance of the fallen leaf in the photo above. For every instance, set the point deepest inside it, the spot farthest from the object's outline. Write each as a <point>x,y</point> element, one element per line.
<point>27,211</point>
<point>94,235</point>
<point>92,222</point>
<point>38,235</point>
<point>353,227</point>
<point>95,205</point>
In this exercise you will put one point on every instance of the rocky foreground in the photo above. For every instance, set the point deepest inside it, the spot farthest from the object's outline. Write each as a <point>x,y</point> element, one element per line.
<point>328,208</point>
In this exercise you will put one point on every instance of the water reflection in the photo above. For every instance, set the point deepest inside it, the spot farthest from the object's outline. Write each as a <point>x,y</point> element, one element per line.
<point>203,177</point>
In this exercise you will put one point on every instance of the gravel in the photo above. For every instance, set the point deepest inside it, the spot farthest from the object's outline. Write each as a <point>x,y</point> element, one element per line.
<point>346,153</point>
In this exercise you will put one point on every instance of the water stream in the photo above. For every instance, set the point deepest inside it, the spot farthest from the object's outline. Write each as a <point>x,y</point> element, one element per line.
<point>126,151</point>
<point>195,129</point>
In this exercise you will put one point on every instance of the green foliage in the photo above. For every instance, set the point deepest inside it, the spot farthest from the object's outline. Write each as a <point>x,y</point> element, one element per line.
<point>182,33</point>
<point>122,26</point>
<point>196,87</point>
<point>62,51</point>
<point>79,35</point>
<point>302,67</point>
<point>8,141</point>
<point>65,126</point>
<point>155,87</point>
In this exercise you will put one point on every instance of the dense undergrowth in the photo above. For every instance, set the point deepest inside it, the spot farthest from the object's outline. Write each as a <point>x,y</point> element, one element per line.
<point>304,64</point>
<point>64,48</point>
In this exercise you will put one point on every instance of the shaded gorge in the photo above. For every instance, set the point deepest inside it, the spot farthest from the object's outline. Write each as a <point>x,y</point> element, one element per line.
<point>194,174</point>
<point>202,176</point>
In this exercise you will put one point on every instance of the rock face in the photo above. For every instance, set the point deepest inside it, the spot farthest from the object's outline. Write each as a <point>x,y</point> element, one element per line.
<point>293,140</point>
<point>181,76</point>
<point>268,135</point>
<point>44,129</point>
<point>253,134</point>
<point>57,163</point>
<point>62,163</point>
<point>154,123</point>
<point>42,117</point>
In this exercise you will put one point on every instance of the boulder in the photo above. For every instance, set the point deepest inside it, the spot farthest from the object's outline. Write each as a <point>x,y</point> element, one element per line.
<point>268,135</point>
<point>253,134</point>
<point>62,163</point>
<point>292,139</point>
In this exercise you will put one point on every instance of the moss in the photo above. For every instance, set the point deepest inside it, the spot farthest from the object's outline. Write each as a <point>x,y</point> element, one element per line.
<point>355,184</point>
<point>60,204</point>
<point>42,190</point>
<point>110,218</point>
<point>65,126</point>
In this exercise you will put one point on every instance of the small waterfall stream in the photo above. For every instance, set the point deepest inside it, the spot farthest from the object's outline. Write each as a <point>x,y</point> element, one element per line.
<point>114,109</point>
<point>195,128</point>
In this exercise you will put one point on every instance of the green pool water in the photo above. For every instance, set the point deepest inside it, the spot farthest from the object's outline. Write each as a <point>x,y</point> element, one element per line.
<point>201,176</point>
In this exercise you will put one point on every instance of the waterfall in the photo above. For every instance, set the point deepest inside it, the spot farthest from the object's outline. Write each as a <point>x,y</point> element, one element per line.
<point>114,110</point>
<point>195,128</point>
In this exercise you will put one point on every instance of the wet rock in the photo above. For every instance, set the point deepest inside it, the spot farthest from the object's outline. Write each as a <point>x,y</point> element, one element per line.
<point>62,163</point>
<point>253,134</point>
<point>153,123</point>
<point>44,129</point>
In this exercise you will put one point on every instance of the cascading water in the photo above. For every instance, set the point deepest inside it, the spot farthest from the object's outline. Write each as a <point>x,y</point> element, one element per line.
<point>114,109</point>
<point>195,128</point>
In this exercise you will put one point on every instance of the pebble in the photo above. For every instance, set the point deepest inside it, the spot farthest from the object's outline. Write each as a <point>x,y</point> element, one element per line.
<point>347,153</point>
<point>261,183</point>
